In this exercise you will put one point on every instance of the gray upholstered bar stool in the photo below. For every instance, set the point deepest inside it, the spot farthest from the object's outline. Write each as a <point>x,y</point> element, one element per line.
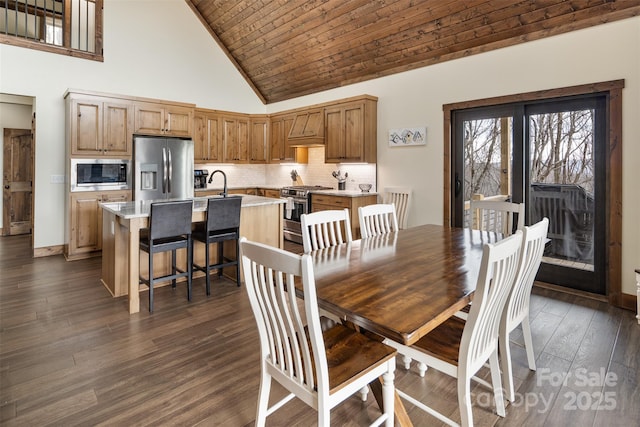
<point>222,224</point>
<point>169,230</point>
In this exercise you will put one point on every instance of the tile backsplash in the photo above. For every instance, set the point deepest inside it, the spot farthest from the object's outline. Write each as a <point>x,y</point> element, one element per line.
<point>316,172</point>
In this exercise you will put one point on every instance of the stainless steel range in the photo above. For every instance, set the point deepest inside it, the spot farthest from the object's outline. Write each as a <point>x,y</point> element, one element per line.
<point>298,203</point>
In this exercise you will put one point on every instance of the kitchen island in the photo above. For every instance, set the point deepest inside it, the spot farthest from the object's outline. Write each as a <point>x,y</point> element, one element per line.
<point>260,220</point>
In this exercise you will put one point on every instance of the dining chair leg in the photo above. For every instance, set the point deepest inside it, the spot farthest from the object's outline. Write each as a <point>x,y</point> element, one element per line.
<point>464,401</point>
<point>263,400</point>
<point>189,267</point>
<point>507,369</point>
<point>238,265</point>
<point>206,268</point>
<point>528,343</point>
<point>497,383</point>
<point>150,282</point>
<point>173,267</point>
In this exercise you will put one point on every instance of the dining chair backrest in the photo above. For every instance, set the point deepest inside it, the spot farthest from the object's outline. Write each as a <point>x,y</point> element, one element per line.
<point>534,240</point>
<point>497,216</point>
<point>400,197</point>
<point>285,345</point>
<point>498,271</point>
<point>325,228</point>
<point>170,219</point>
<point>377,219</point>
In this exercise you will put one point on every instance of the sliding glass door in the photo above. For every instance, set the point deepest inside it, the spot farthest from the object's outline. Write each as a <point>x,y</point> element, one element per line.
<point>549,155</point>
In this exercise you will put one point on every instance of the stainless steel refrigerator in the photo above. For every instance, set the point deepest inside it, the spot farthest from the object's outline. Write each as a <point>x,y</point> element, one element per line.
<point>163,168</point>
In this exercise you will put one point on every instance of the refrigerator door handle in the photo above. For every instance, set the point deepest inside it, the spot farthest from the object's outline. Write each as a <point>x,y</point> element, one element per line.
<point>169,190</point>
<point>164,170</point>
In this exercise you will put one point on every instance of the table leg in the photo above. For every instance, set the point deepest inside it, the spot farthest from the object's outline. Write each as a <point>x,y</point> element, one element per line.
<point>402,418</point>
<point>134,266</point>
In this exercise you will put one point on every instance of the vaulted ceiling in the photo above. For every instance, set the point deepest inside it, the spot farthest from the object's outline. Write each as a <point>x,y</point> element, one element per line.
<point>290,48</point>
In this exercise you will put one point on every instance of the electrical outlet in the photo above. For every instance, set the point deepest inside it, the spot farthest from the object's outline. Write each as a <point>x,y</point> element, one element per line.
<point>57,179</point>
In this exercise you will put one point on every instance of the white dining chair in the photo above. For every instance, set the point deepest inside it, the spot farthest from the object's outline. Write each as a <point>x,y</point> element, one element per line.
<point>458,348</point>
<point>400,197</point>
<point>497,216</point>
<point>321,368</point>
<point>516,310</point>
<point>325,228</point>
<point>377,219</point>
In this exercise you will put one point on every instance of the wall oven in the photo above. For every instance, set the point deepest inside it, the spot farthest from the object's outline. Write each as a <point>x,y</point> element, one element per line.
<point>298,203</point>
<point>100,174</point>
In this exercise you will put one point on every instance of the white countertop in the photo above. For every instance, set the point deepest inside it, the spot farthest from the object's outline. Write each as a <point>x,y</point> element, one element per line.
<point>345,193</point>
<point>141,208</point>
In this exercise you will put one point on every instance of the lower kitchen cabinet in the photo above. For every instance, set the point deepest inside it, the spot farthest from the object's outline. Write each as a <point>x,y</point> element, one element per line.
<point>85,221</point>
<point>323,202</point>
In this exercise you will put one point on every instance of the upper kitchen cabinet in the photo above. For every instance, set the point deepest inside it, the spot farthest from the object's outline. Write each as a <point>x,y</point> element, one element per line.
<point>307,128</point>
<point>235,138</point>
<point>207,136</point>
<point>280,150</point>
<point>351,131</point>
<point>98,126</point>
<point>164,119</point>
<point>259,139</point>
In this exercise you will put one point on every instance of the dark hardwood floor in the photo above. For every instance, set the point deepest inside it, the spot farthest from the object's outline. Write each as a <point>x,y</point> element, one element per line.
<point>71,355</point>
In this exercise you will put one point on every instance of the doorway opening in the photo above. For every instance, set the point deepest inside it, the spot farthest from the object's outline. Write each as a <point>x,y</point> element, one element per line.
<point>558,152</point>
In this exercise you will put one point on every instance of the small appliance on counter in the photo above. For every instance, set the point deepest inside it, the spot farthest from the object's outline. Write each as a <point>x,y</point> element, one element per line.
<point>200,178</point>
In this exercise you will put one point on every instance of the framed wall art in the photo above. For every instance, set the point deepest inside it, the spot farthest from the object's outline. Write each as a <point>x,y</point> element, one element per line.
<point>406,137</point>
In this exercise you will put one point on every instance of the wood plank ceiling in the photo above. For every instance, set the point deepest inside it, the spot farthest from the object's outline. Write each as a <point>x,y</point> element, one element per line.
<point>290,48</point>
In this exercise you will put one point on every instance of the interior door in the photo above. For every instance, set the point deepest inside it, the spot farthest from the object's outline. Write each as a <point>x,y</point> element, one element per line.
<point>17,182</point>
<point>551,155</point>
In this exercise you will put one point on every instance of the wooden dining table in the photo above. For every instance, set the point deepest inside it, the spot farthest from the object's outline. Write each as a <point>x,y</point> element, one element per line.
<point>401,285</point>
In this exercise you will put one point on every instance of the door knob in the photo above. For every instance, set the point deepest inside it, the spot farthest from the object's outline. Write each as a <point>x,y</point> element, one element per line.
<point>6,187</point>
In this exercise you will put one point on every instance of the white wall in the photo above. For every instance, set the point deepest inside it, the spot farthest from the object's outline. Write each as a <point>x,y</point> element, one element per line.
<point>145,56</point>
<point>415,98</point>
<point>155,49</point>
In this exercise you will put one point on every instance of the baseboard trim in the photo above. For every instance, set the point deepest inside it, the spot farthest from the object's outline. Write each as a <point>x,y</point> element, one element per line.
<point>48,251</point>
<point>627,301</point>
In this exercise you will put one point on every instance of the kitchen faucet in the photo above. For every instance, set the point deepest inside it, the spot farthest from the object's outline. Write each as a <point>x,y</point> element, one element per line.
<point>224,175</point>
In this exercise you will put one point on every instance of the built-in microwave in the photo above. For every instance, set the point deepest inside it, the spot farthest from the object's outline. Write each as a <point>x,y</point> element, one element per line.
<point>100,174</point>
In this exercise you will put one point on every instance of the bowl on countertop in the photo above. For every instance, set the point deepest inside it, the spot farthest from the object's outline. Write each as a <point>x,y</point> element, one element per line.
<point>365,187</point>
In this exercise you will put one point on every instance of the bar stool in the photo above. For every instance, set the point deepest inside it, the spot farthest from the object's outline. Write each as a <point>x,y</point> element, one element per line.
<point>222,224</point>
<point>169,230</point>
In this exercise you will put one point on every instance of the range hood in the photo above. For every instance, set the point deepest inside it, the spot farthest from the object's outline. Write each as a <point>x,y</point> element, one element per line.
<point>307,129</point>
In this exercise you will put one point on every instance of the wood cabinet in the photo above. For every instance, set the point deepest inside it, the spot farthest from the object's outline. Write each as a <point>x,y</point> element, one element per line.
<point>259,139</point>
<point>269,192</point>
<point>351,131</point>
<point>322,202</point>
<point>207,138</point>
<point>307,128</point>
<point>85,221</point>
<point>99,127</point>
<point>235,138</point>
<point>280,151</point>
<point>163,119</point>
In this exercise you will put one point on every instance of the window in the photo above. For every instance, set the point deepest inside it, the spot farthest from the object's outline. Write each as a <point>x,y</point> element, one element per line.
<point>69,27</point>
